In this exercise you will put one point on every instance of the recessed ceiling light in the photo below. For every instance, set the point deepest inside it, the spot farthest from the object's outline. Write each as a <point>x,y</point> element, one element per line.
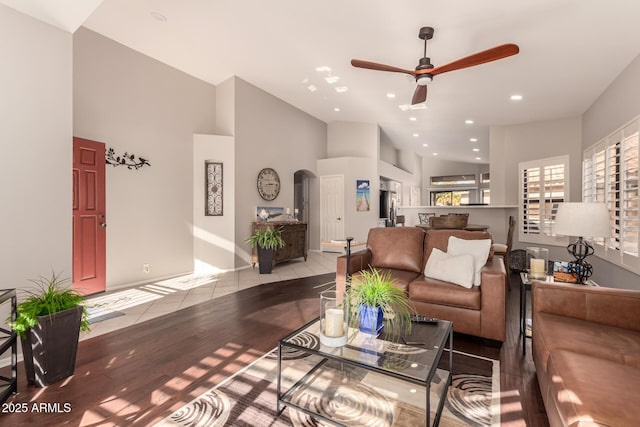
<point>336,108</point>
<point>516,97</point>
<point>413,119</point>
<point>312,88</point>
<point>425,145</point>
<point>158,17</point>
<point>391,95</point>
<point>323,69</point>
<point>416,135</point>
<point>341,89</point>
<point>473,139</point>
<point>478,158</point>
<point>476,149</point>
<point>469,122</point>
<point>332,79</point>
<point>435,154</point>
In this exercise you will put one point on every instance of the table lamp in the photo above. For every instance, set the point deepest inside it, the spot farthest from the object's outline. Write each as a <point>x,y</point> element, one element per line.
<point>582,220</point>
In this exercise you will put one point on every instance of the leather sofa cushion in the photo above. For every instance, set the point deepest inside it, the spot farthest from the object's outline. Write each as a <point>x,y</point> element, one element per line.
<point>398,248</point>
<point>554,332</point>
<point>436,291</point>
<point>401,278</point>
<point>592,391</point>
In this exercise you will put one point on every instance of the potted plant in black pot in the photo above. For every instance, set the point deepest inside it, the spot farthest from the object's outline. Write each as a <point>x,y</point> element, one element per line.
<point>375,301</point>
<point>48,323</point>
<point>267,241</point>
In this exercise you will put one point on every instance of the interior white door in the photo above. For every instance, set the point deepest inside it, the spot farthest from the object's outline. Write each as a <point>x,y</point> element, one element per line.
<point>331,208</point>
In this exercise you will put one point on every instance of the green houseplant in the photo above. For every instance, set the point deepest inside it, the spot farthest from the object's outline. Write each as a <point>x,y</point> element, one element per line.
<point>48,323</point>
<point>375,301</point>
<point>267,241</point>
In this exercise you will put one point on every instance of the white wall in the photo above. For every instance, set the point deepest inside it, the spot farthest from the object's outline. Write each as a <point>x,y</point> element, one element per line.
<point>271,133</point>
<point>356,224</point>
<point>510,145</point>
<point>213,236</point>
<point>353,139</point>
<point>136,104</point>
<point>618,104</point>
<point>388,153</point>
<point>36,145</point>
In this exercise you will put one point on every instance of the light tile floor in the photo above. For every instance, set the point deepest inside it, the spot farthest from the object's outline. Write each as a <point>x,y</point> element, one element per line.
<point>154,299</point>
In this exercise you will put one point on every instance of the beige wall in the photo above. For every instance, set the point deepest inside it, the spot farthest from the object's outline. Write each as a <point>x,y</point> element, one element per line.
<point>136,104</point>
<point>271,133</point>
<point>36,146</point>
<point>214,242</point>
<point>353,139</point>
<point>510,145</point>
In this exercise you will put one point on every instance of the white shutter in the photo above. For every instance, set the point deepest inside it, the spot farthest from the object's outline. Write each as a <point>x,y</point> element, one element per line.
<point>543,185</point>
<point>629,193</point>
<point>610,175</point>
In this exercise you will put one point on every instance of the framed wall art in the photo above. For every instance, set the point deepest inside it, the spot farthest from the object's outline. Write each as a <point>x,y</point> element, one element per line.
<point>213,188</point>
<point>363,197</point>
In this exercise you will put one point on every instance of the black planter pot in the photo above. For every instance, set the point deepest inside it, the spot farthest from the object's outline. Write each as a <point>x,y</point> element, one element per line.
<point>265,260</point>
<point>50,348</point>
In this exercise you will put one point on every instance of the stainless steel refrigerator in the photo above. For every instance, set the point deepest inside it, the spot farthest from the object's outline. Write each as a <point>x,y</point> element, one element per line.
<point>388,207</point>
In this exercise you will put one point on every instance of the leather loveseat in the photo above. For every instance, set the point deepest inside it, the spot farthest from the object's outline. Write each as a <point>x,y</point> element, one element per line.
<point>586,350</point>
<point>404,252</point>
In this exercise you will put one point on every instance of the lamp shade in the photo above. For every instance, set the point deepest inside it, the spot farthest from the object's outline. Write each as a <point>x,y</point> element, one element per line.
<point>582,220</point>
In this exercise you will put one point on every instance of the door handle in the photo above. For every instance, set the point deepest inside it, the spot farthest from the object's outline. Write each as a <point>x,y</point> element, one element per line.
<point>103,225</point>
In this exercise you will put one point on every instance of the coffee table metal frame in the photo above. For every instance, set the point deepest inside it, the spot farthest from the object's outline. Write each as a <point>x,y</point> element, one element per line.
<point>333,353</point>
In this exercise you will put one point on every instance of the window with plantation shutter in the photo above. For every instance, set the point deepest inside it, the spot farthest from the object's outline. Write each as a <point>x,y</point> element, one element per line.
<point>610,175</point>
<point>543,185</point>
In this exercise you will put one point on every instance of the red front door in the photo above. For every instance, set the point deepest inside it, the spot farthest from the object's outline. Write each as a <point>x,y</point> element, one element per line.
<point>89,217</point>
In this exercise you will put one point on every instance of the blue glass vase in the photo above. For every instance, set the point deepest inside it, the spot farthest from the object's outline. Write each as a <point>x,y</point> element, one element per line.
<point>371,319</point>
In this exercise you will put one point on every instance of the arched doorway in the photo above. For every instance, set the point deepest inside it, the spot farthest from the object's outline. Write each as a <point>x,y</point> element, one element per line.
<point>301,197</point>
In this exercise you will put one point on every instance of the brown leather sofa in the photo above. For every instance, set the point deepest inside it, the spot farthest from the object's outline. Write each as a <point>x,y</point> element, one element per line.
<point>404,252</point>
<point>586,350</point>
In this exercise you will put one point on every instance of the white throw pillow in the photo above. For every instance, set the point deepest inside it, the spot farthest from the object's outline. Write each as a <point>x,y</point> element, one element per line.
<point>478,248</point>
<point>456,269</point>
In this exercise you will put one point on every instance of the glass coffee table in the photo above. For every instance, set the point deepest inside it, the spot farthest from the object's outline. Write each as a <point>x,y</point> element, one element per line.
<point>368,377</point>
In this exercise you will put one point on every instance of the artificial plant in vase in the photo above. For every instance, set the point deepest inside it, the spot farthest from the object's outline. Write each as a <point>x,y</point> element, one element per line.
<point>266,241</point>
<point>48,323</point>
<point>376,302</point>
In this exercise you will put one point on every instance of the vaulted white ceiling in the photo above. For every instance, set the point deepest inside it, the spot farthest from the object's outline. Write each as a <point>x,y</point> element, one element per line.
<point>570,51</point>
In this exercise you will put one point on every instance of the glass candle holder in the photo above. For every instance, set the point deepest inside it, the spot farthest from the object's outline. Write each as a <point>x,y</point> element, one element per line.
<point>537,262</point>
<point>334,319</point>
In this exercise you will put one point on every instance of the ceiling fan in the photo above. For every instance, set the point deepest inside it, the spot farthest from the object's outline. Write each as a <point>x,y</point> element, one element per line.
<point>425,71</point>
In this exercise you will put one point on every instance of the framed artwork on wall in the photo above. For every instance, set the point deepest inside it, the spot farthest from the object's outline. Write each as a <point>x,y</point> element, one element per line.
<point>213,188</point>
<point>363,197</point>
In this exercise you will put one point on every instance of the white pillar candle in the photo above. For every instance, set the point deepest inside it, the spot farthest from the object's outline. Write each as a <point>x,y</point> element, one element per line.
<point>333,324</point>
<point>295,211</point>
<point>288,211</point>
<point>537,267</point>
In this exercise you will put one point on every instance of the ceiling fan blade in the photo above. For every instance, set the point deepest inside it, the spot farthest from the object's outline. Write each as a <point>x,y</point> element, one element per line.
<point>380,67</point>
<point>420,95</point>
<point>488,55</point>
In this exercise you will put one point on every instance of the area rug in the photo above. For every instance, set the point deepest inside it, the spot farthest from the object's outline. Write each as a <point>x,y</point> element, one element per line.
<point>351,396</point>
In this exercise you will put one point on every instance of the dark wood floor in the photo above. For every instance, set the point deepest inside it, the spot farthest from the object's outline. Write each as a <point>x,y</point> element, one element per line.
<point>140,374</point>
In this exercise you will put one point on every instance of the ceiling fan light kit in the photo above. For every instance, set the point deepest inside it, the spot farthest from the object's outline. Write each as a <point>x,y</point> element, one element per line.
<point>425,70</point>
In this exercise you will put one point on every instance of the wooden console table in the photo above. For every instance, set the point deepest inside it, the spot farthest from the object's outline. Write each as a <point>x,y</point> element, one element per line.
<point>294,235</point>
